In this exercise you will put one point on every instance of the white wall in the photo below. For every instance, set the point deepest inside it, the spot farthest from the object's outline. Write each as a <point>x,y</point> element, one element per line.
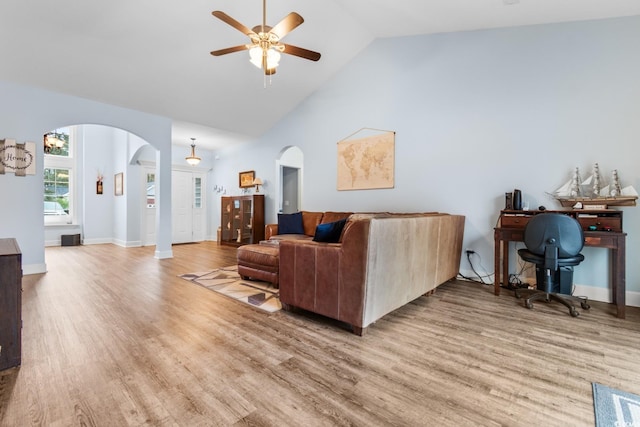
<point>476,114</point>
<point>26,113</point>
<point>97,218</point>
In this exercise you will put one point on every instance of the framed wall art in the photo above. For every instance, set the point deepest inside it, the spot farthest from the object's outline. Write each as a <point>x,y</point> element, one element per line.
<point>246,179</point>
<point>118,184</point>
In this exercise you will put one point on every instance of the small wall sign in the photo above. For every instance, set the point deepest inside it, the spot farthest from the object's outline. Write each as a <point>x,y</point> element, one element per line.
<point>19,158</point>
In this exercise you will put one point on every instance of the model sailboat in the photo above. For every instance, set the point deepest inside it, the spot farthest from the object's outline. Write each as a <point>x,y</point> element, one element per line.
<point>591,191</point>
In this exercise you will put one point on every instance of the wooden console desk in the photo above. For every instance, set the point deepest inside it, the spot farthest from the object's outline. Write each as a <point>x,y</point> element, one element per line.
<point>511,229</point>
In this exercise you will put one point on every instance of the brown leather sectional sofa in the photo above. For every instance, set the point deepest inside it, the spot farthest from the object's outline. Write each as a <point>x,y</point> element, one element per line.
<point>382,262</point>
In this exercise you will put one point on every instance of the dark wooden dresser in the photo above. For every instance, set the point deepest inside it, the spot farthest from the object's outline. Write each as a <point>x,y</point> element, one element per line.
<point>10,303</point>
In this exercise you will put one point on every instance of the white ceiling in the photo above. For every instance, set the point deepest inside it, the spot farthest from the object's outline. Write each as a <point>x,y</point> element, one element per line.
<point>153,55</point>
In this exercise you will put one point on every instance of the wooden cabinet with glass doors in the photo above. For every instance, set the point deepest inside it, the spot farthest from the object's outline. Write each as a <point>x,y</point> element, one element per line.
<point>242,220</point>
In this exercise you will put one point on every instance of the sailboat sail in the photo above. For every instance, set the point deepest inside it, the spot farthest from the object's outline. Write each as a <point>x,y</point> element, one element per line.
<point>565,190</point>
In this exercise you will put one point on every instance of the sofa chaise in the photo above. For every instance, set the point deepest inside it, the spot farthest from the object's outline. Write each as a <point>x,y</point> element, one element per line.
<point>381,262</point>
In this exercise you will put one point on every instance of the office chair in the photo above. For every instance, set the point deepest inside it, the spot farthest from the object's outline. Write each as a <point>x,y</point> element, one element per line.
<point>553,243</point>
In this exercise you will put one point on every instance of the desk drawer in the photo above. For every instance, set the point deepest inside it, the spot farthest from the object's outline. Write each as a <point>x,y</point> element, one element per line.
<point>602,224</point>
<point>514,221</point>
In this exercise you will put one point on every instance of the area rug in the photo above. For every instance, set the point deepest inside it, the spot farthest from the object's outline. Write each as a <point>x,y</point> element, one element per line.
<point>227,281</point>
<point>615,407</point>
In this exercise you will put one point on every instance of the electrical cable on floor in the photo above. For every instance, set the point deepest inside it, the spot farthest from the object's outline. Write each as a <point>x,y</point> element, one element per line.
<point>515,282</point>
<point>469,279</point>
<point>469,253</point>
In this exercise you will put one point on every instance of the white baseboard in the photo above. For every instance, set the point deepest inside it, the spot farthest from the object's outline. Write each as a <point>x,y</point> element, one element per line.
<point>127,244</point>
<point>101,241</point>
<point>163,254</point>
<point>34,268</point>
<point>632,298</point>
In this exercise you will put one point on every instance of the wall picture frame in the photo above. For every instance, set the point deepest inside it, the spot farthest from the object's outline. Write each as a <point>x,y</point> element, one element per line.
<point>118,184</point>
<point>245,179</point>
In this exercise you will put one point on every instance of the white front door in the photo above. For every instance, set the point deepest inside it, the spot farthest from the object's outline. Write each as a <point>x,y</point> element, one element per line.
<point>181,207</point>
<point>188,206</point>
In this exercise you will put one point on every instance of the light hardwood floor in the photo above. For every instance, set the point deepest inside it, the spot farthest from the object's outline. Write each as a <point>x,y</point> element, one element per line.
<point>112,337</point>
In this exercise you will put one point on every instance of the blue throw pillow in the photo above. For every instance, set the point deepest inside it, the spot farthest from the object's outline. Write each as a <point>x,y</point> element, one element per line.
<point>329,232</point>
<point>290,223</point>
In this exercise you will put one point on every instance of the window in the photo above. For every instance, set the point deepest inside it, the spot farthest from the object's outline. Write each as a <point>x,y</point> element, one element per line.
<point>151,190</point>
<point>58,177</point>
<point>197,196</point>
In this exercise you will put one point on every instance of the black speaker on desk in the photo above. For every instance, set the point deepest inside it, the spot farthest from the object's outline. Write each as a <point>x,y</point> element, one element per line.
<point>517,200</point>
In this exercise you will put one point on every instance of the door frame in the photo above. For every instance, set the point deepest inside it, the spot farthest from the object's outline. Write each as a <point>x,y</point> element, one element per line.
<point>285,159</point>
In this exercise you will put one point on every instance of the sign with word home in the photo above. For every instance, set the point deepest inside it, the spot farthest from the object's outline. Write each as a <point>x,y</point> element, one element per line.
<point>19,158</point>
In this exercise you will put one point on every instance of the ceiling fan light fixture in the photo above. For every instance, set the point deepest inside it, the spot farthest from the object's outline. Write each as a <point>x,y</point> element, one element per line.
<point>266,47</point>
<point>273,57</point>
<point>192,159</point>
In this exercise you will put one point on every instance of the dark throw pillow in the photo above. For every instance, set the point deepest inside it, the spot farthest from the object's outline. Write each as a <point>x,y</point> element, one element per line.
<point>329,232</point>
<point>290,223</point>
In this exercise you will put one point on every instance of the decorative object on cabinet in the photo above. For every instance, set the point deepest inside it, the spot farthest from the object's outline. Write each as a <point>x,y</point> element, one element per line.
<point>10,303</point>
<point>245,179</point>
<point>192,159</point>
<point>257,182</point>
<point>118,184</point>
<point>242,220</point>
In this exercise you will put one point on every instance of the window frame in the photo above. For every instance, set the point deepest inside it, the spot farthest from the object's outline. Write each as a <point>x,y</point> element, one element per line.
<point>53,161</point>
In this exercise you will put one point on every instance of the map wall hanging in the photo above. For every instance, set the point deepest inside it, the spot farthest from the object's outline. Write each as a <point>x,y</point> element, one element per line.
<point>368,162</point>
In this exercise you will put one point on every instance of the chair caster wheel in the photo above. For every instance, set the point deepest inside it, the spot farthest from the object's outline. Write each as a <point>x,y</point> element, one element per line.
<point>585,306</point>
<point>574,313</point>
<point>528,304</point>
<point>518,294</point>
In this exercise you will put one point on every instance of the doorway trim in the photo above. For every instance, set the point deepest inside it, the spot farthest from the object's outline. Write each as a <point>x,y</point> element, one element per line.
<point>290,156</point>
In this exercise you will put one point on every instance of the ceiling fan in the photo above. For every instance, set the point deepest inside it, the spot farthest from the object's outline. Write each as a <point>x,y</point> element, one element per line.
<point>265,47</point>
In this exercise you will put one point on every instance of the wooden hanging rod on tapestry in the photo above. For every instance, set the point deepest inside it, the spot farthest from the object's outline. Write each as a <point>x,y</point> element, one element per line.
<point>361,129</point>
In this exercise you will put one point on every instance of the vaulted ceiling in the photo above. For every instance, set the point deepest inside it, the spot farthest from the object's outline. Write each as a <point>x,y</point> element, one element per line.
<point>153,55</point>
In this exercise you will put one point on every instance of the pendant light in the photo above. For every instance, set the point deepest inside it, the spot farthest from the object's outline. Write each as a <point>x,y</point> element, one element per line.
<point>192,159</point>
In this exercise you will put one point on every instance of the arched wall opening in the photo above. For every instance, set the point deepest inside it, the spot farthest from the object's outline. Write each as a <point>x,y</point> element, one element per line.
<point>289,180</point>
<point>25,116</point>
<point>111,215</point>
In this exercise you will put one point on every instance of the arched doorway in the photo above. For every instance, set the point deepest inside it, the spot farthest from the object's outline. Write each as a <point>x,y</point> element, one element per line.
<point>100,212</point>
<point>289,173</point>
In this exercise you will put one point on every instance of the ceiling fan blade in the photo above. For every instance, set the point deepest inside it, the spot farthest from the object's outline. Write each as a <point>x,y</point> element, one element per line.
<point>301,52</point>
<point>221,52</point>
<point>288,23</point>
<point>229,20</point>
